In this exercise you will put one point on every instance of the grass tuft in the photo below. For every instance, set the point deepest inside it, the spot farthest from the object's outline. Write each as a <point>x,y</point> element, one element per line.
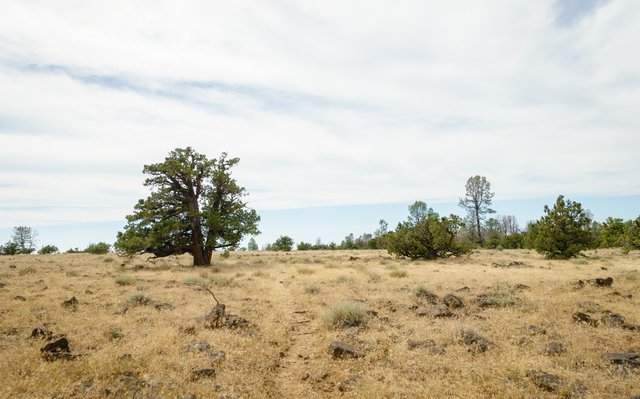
<point>345,314</point>
<point>124,280</point>
<point>399,273</point>
<point>139,299</point>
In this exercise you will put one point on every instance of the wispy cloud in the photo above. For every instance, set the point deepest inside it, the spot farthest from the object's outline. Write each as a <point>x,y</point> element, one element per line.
<point>326,104</point>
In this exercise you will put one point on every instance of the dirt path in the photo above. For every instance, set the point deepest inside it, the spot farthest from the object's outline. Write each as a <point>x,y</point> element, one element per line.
<point>294,378</point>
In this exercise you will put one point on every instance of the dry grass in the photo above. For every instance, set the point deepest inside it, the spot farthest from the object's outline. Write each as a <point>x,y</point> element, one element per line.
<point>141,352</point>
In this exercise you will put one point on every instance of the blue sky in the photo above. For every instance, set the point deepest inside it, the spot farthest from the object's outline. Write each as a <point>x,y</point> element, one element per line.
<point>341,113</point>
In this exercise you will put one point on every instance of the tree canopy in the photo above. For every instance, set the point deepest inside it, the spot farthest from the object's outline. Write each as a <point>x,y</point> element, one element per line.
<point>477,201</point>
<point>195,206</point>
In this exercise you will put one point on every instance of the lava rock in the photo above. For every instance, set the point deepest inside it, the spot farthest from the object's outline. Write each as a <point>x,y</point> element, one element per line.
<point>555,348</point>
<point>71,303</point>
<point>452,301</point>
<point>585,318</point>
<point>164,306</point>
<point>411,345</point>
<point>203,373</point>
<point>197,346</point>
<point>41,332</point>
<point>545,381</point>
<point>613,319</point>
<point>603,282</point>
<point>57,350</point>
<point>475,341</point>
<point>627,359</point>
<point>338,350</point>
<point>442,311</point>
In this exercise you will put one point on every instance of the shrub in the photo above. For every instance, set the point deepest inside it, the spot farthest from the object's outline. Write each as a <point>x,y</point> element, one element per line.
<point>283,243</point>
<point>430,237</point>
<point>100,248</point>
<point>194,280</point>
<point>124,280</point>
<point>311,289</point>
<point>48,249</point>
<point>345,314</point>
<point>305,270</point>
<point>224,281</point>
<point>139,299</point>
<point>225,254</point>
<point>564,231</point>
<point>27,270</point>
<point>398,273</point>
<point>73,251</point>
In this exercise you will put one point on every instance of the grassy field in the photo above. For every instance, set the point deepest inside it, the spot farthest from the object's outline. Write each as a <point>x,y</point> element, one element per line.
<point>136,329</point>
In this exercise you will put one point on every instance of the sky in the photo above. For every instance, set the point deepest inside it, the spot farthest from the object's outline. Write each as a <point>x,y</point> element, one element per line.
<point>342,113</point>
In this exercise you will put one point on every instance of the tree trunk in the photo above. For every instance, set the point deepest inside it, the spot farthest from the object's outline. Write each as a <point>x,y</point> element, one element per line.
<point>478,225</point>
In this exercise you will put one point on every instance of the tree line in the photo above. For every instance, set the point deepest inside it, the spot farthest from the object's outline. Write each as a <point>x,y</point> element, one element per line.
<point>197,207</point>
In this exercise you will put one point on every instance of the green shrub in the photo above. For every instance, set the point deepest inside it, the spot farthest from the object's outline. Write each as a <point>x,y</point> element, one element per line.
<point>305,270</point>
<point>27,270</point>
<point>100,248</point>
<point>563,232</point>
<point>311,289</point>
<point>345,314</point>
<point>139,299</point>
<point>48,249</point>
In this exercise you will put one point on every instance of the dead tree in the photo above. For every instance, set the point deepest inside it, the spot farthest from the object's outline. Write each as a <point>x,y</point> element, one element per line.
<point>216,317</point>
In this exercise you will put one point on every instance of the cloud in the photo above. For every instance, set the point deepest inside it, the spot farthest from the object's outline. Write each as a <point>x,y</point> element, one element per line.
<point>326,104</point>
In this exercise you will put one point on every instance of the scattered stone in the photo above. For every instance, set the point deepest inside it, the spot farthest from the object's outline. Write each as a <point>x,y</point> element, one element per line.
<point>12,266</point>
<point>216,317</point>
<point>545,381</point>
<point>338,350</point>
<point>578,389</point>
<point>352,258</point>
<point>452,301</point>
<point>411,345</point>
<point>71,303</point>
<point>164,306</point>
<point>512,264</point>
<point>88,292</point>
<point>442,311</point>
<point>603,268</point>
<point>372,313</point>
<point>589,307</point>
<point>57,350</point>
<point>41,332</point>
<point>320,375</point>
<point>2,285</point>
<point>10,331</point>
<point>427,296</point>
<point>521,287</point>
<point>422,311</point>
<point>234,322</point>
<point>613,319</point>
<point>475,341</point>
<point>204,373</point>
<point>555,348</point>
<point>463,289</point>
<point>20,298</point>
<point>632,327</point>
<point>197,346</point>
<point>347,385</point>
<point>627,359</point>
<point>218,356</point>
<point>191,330</point>
<point>579,284</point>
<point>585,318</point>
<point>602,282</point>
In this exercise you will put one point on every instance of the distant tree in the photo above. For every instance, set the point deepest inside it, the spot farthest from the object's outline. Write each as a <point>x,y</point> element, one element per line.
<point>283,243</point>
<point>508,225</point>
<point>10,248</point>
<point>493,233</point>
<point>564,231</point>
<point>48,249</point>
<point>382,229</point>
<point>99,248</point>
<point>477,201</point>
<point>632,235</point>
<point>195,207</point>
<point>252,245</point>
<point>304,246</point>
<point>418,211</point>
<point>348,242</point>
<point>430,237</point>
<point>612,233</point>
<point>73,251</point>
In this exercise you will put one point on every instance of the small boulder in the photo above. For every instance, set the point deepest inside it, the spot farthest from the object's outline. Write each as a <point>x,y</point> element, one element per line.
<point>338,350</point>
<point>203,373</point>
<point>545,381</point>
<point>613,319</point>
<point>474,341</point>
<point>19,298</point>
<point>197,346</point>
<point>422,311</point>
<point>56,350</point>
<point>533,330</point>
<point>41,332</point>
<point>627,359</point>
<point>234,322</point>
<point>347,384</point>
<point>411,345</point>
<point>164,306</point>
<point>555,348</point>
<point>603,282</point>
<point>442,311</point>
<point>71,303</point>
<point>521,287</point>
<point>585,318</point>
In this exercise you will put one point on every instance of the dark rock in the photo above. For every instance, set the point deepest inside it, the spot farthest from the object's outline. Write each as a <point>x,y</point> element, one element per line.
<point>71,303</point>
<point>463,289</point>
<point>411,345</point>
<point>545,381</point>
<point>12,266</point>
<point>339,350</point>
<point>197,346</point>
<point>613,319</point>
<point>41,332</point>
<point>627,359</point>
<point>474,341</point>
<point>632,327</point>
<point>585,318</point>
<point>555,348</point>
<point>216,317</point>
<point>422,311</point>
<point>2,285</point>
<point>57,350</point>
<point>427,296</point>
<point>603,282</point>
<point>580,284</point>
<point>589,307</point>
<point>164,306</point>
<point>234,322</point>
<point>88,292</point>
<point>347,384</point>
<point>442,311</point>
<point>521,287</point>
<point>20,298</point>
<point>578,390</point>
<point>372,313</point>
<point>452,301</point>
<point>204,373</point>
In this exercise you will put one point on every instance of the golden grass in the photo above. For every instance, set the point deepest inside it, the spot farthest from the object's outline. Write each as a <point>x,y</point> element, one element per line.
<point>143,352</point>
